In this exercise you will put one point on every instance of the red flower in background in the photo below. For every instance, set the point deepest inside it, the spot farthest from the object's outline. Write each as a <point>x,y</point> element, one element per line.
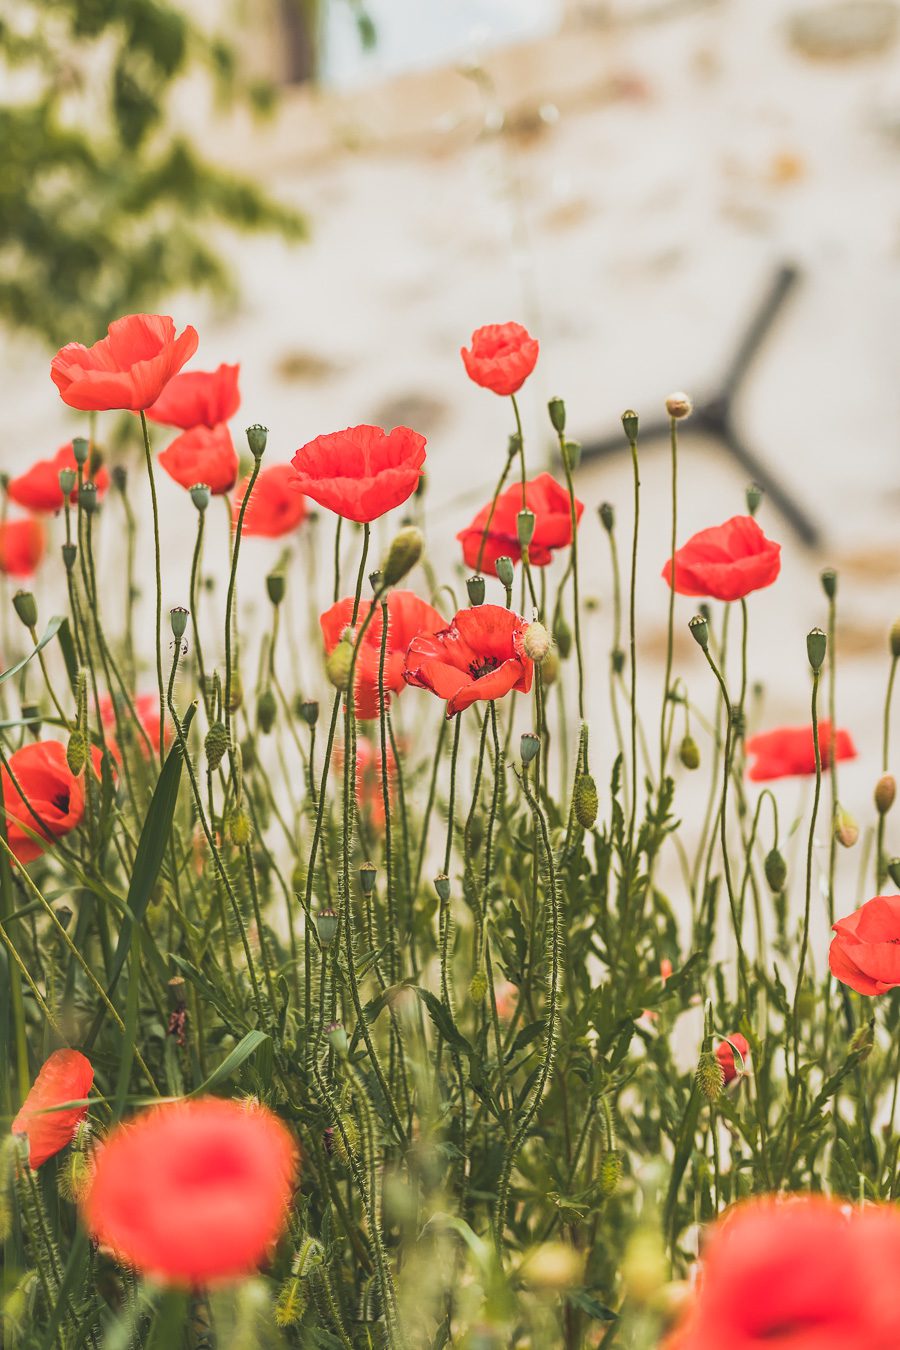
<point>800,1273</point>
<point>501,357</point>
<point>193,1192</point>
<point>552,525</point>
<point>788,752</point>
<point>479,657</point>
<point>725,562</point>
<point>275,508</point>
<point>865,953</point>
<point>369,792</point>
<point>37,489</point>
<point>198,398</point>
<point>127,369</point>
<point>408,617</point>
<point>361,473</point>
<point>731,1065</point>
<point>203,455</point>
<point>52,791</point>
<point>22,545</point>
<point>66,1076</point>
<point>147,708</point>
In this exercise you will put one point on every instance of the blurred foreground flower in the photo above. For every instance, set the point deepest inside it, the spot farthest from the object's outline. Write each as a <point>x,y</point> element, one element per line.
<point>203,455</point>
<point>408,618</point>
<point>198,398</point>
<point>22,545</point>
<point>275,507</point>
<point>38,488</point>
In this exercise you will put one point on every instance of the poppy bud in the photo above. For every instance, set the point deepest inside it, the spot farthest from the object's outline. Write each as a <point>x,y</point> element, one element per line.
<point>550,668</point>
<point>895,638</point>
<point>775,869</point>
<point>504,569</point>
<point>31,713</point>
<point>607,513</point>
<point>475,588</point>
<point>700,631</point>
<point>610,1173</point>
<point>753,495</point>
<point>442,886</point>
<point>828,578</point>
<point>557,410</point>
<point>239,827</point>
<point>572,453</point>
<point>893,868</point>
<point>291,1302</point>
<point>215,745</point>
<point>338,662</point>
<point>529,745</point>
<point>630,426</point>
<point>563,637</point>
<point>403,554</point>
<point>846,830</point>
<point>617,657</point>
<point>326,926</point>
<point>178,618</point>
<point>257,436</point>
<point>69,553</point>
<point>816,642</point>
<point>200,496</point>
<point>309,711</point>
<point>367,874</point>
<point>885,792</point>
<point>67,480</point>
<point>346,1139</point>
<point>80,449</point>
<point>337,1039</point>
<point>689,753</point>
<point>478,987</point>
<point>710,1076</point>
<point>586,801</point>
<point>119,476</point>
<point>863,1039</point>
<point>275,587</point>
<point>25,606</point>
<point>248,753</point>
<point>87,498</point>
<point>76,752</point>
<point>679,406</point>
<point>536,642</point>
<point>266,711</point>
<point>525,527</point>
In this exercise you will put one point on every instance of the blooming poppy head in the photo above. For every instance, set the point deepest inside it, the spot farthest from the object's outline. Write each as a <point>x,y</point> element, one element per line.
<point>38,489</point>
<point>66,1076</point>
<point>274,508</point>
<point>789,752</point>
<point>198,398</point>
<point>483,544</point>
<point>128,369</point>
<point>501,357</point>
<point>203,455</point>
<point>361,473</point>
<point>725,562</point>
<point>193,1192</point>
<point>479,656</point>
<point>54,797</point>
<point>408,617</point>
<point>733,1063</point>
<point>865,951</point>
<point>22,546</point>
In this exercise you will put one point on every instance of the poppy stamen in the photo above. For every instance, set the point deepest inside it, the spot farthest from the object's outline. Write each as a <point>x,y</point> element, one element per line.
<point>477,669</point>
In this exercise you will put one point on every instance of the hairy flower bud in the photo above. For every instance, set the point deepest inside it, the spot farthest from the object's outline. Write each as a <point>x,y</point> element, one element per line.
<point>885,792</point>
<point>550,668</point>
<point>863,1039</point>
<point>610,1173</point>
<point>689,753</point>
<point>239,827</point>
<point>215,745</point>
<point>478,987</point>
<point>25,606</point>
<point>679,406</point>
<point>338,662</point>
<point>563,636</point>
<point>536,642</point>
<point>403,554</point>
<point>337,1038</point>
<point>266,711</point>
<point>76,752</point>
<point>345,1139</point>
<point>475,589</point>
<point>586,801</point>
<point>709,1076</point>
<point>775,869</point>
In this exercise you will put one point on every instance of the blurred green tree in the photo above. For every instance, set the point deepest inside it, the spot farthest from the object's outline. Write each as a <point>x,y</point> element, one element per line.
<point>105,205</point>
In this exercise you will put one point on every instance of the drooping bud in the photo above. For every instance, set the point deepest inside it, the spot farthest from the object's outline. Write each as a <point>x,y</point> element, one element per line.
<point>442,886</point>
<point>536,642</point>
<point>550,668</point>
<point>178,618</point>
<point>557,410</point>
<point>525,527</point>
<point>80,449</point>
<point>885,792</point>
<point>700,631</point>
<point>326,926</point>
<point>846,830</point>
<point>607,513</point>
<point>240,827</point>
<point>76,752</point>
<point>630,426</point>
<point>689,753</point>
<point>816,643</point>
<point>478,987</point>
<point>25,606</point>
<point>753,495</point>
<point>586,801</point>
<point>367,874</point>
<point>403,554</point>
<point>200,496</point>
<point>67,480</point>
<point>828,577</point>
<point>275,587</point>
<point>475,588</point>
<point>215,745</point>
<point>505,572</point>
<point>338,663</point>
<point>709,1076</point>
<point>266,711</point>
<point>257,436</point>
<point>529,745</point>
<point>679,406</point>
<point>775,869</point>
<point>309,711</point>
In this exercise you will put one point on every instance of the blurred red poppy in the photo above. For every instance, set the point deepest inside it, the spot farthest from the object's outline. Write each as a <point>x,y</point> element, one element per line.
<point>552,525</point>
<point>127,369</point>
<point>799,1272</point>
<point>52,791</point>
<point>22,545</point>
<point>275,508</point>
<point>361,473</point>
<point>147,708</point>
<point>408,617</point>
<point>193,1192</point>
<point>66,1076</point>
<point>37,489</point>
<point>501,357</point>
<point>733,1064</point>
<point>725,562</point>
<point>369,791</point>
<point>198,398</point>
<point>479,656</point>
<point>865,953</point>
<point>203,455</point>
<point>789,752</point>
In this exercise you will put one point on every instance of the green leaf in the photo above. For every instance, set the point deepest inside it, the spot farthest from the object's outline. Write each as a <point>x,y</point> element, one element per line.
<point>443,1021</point>
<point>233,1061</point>
<point>50,633</point>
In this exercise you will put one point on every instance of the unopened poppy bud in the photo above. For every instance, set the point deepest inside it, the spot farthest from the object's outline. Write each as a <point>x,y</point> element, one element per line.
<point>67,480</point>
<point>215,745</point>
<point>689,753</point>
<point>610,1173</point>
<point>200,496</point>
<point>586,801</point>
<point>617,659</point>
<point>291,1302</point>
<point>119,476</point>
<point>309,711</point>
<point>76,752</point>
<point>572,453</point>
<point>816,642</point>
<point>895,638</point>
<point>775,869</point>
<point>525,527</point>
<point>563,636</point>
<point>376,580</point>
<point>553,1267</point>
<point>557,410</point>
<point>367,874</point>
<point>475,588</point>
<point>828,578</point>
<point>550,668</point>
<point>505,572</point>
<point>885,792</point>
<point>25,606</point>
<point>700,631</point>
<point>478,987</point>
<point>326,926</point>
<point>709,1076</point>
<point>536,642</point>
<point>178,618</point>
<point>893,868</point>
<point>239,828</point>
<point>630,426</point>
<point>87,498</point>
<point>248,753</point>
<point>403,554</point>
<point>529,745</point>
<point>338,663</point>
<point>266,711</point>
<point>442,886</point>
<point>257,436</point>
<point>69,553</point>
<point>607,513</point>
<point>863,1039</point>
<point>753,495</point>
<point>346,1139</point>
<point>275,587</point>
<point>846,830</point>
<point>679,405</point>
<point>337,1038</point>
<point>80,449</point>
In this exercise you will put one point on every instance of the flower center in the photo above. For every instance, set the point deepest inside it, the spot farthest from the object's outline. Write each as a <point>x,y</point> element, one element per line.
<point>61,802</point>
<point>477,669</point>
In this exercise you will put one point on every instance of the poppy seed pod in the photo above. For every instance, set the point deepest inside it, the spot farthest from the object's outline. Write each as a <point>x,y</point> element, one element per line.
<point>178,618</point>
<point>537,642</point>
<point>25,606</point>
<point>67,480</point>
<point>403,554</point>
<point>775,869</point>
<point>689,753</point>
<point>885,792</point>
<point>442,886</point>
<point>557,410</point>
<point>586,801</point>
<point>69,553</point>
<point>525,527</point>
<point>266,711</point>
<point>709,1076</point>
<point>828,578</point>
<point>309,711</point>
<point>200,496</point>
<point>630,425</point>
<point>275,585</point>
<point>617,660</point>
<point>753,495</point>
<point>326,926</point>
<point>367,874</point>
<point>529,745</point>
<point>338,663</point>
<point>88,499</point>
<point>257,437</point>
<point>215,745</point>
<point>475,589</point>
<point>816,643</point>
<point>679,406</point>
<point>80,449</point>
<point>505,572</point>
<point>700,631</point>
<point>607,513</point>
<point>572,453</point>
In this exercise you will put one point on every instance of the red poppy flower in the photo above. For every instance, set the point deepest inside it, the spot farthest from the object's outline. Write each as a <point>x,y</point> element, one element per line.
<point>127,369</point>
<point>501,357</point>
<point>802,1273</point>
<point>198,398</point>
<point>65,1077</point>
<point>788,752</point>
<point>22,545</point>
<point>193,1192</point>
<point>147,708</point>
<point>369,794</point>
<point>725,562</point>
<point>275,508</point>
<point>37,489</point>
<point>53,792</point>
<point>731,1064</point>
<point>480,656</point>
<point>203,456</point>
<point>552,525</point>
<point>865,953</point>
<point>408,617</point>
<point>362,472</point>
